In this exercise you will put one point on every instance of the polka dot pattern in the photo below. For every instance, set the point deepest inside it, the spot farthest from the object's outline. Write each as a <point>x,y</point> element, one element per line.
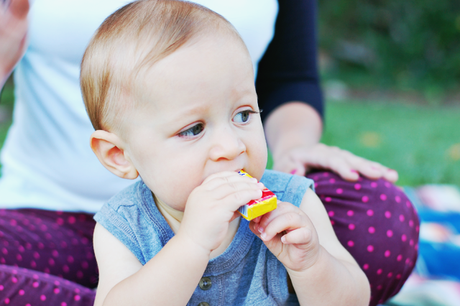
<point>49,261</point>
<point>377,224</point>
<point>48,291</point>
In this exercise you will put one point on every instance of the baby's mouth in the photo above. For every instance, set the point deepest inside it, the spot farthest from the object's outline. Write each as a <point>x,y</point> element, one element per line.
<point>243,173</point>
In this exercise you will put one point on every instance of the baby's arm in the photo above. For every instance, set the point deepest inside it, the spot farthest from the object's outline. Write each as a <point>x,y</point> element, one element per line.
<point>171,276</point>
<point>124,281</point>
<point>320,268</point>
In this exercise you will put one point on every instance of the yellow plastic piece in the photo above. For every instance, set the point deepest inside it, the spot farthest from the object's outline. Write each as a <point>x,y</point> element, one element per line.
<point>257,208</point>
<point>260,209</point>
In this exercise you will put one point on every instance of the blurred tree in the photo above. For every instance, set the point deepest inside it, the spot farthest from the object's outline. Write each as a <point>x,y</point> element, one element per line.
<point>411,44</point>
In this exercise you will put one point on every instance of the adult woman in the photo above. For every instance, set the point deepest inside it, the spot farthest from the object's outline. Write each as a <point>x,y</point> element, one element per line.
<point>52,184</point>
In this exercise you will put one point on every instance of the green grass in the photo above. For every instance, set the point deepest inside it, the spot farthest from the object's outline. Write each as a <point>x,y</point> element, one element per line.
<point>421,142</point>
<point>6,107</point>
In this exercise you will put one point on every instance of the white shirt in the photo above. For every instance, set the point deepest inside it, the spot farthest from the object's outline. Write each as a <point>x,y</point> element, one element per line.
<point>47,161</point>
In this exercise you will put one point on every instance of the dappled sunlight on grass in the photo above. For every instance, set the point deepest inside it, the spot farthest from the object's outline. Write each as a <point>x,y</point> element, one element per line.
<point>420,142</point>
<point>370,139</point>
<point>454,152</point>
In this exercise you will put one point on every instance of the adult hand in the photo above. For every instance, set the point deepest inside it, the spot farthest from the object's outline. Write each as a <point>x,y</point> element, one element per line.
<point>13,33</point>
<point>293,132</point>
<point>302,159</point>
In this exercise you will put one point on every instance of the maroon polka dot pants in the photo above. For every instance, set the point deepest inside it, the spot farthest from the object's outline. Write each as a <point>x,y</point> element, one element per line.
<point>46,258</point>
<point>377,224</point>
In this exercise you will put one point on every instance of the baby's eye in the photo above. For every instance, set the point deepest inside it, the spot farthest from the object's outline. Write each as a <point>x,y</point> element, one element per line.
<point>243,117</point>
<point>193,131</point>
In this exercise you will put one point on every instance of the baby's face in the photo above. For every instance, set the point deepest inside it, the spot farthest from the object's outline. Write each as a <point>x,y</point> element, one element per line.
<point>200,117</point>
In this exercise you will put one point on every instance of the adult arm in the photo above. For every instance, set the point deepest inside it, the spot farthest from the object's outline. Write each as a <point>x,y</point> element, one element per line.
<point>290,95</point>
<point>13,33</point>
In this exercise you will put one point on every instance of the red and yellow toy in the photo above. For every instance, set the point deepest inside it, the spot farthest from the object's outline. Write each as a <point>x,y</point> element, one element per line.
<point>256,208</point>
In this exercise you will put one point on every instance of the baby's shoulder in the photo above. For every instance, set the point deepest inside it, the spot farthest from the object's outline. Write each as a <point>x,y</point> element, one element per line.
<point>287,187</point>
<point>127,197</point>
<point>132,217</point>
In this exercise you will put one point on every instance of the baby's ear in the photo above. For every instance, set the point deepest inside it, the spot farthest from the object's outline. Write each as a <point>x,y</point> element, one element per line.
<point>109,149</point>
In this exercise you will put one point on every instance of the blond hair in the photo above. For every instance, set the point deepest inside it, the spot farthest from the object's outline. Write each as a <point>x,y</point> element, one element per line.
<point>128,43</point>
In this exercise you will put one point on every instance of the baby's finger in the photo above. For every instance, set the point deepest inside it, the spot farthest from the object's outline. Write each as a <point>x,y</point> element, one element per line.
<point>226,177</point>
<point>223,175</point>
<point>287,222</point>
<point>300,236</point>
<point>234,199</point>
<point>235,215</point>
<point>254,227</point>
<point>282,208</point>
<point>257,219</point>
<point>232,187</point>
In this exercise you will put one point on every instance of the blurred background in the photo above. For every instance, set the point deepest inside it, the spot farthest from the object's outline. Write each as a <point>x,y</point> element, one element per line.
<point>391,76</point>
<point>390,71</point>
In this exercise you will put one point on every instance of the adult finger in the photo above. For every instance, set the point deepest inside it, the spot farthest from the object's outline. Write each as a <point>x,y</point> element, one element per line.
<point>391,175</point>
<point>289,164</point>
<point>299,170</point>
<point>375,170</point>
<point>342,168</point>
<point>348,166</point>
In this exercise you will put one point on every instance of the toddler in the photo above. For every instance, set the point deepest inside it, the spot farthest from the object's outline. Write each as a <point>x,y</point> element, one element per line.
<point>169,88</point>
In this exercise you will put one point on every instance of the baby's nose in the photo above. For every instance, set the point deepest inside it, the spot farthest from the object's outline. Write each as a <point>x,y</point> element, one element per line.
<point>227,145</point>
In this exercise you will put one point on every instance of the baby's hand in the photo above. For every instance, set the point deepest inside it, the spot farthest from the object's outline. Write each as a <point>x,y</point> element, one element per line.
<point>213,205</point>
<point>290,235</point>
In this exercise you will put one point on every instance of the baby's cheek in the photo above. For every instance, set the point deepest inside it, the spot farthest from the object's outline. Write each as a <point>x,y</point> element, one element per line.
<point>259,164</point>
<point>168,190</point>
